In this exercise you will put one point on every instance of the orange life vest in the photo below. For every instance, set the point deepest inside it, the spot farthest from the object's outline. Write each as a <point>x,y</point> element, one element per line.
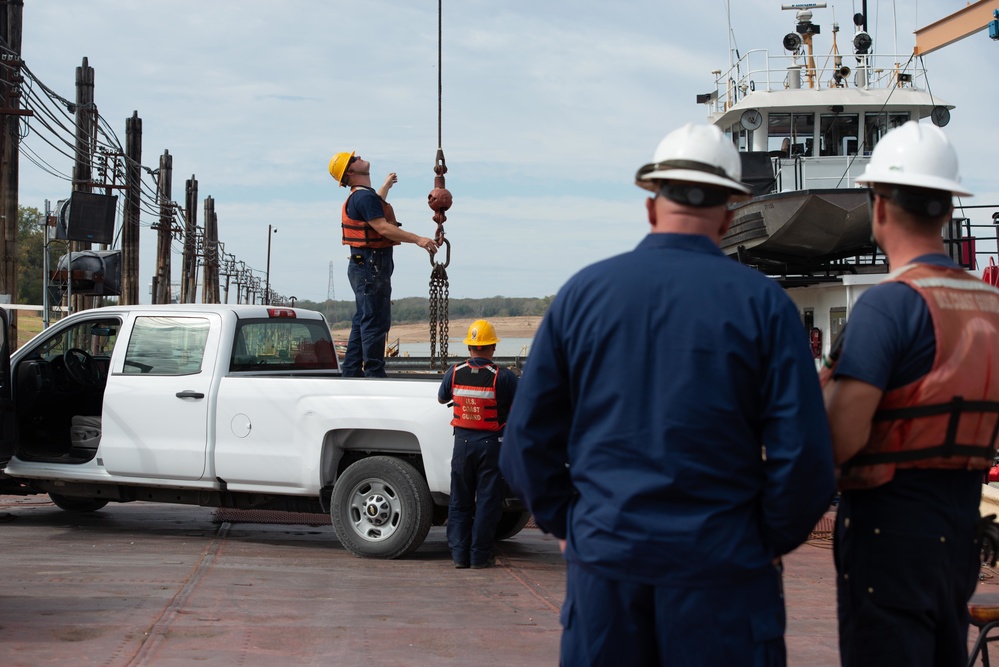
<point>949,418</point>
<point>473,390</point>
<point>359,234</point>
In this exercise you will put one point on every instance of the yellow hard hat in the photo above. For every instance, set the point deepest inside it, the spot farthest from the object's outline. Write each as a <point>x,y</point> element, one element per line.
<point>338,166</point>
<point>481,333</point>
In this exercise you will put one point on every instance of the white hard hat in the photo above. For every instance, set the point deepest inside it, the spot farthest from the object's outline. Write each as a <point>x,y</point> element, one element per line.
<point>694,154</point>
<point>915,155</point>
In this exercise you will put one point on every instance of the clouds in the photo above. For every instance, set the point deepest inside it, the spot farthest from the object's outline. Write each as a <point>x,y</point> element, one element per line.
<point>548,109</point>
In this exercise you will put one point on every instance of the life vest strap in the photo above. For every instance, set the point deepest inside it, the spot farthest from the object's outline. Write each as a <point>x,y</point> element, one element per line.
<point>955,407</point>
<point>941,451</point>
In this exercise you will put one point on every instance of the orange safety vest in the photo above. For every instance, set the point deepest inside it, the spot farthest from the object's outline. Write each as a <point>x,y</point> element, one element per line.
<point>359,234</point>
<point>473,390</point>
<point>949,418</point>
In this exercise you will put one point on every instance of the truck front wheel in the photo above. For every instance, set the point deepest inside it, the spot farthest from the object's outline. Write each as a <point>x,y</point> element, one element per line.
<point>381,508</point>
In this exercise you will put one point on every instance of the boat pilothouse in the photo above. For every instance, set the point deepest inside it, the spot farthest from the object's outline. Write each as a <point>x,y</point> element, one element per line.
<point>805,126</point>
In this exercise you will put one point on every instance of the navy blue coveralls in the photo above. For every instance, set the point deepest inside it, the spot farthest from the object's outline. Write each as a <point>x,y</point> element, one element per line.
<point>669,425</point>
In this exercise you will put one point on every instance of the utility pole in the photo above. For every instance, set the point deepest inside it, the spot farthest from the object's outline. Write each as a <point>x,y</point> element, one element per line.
<point>267,287</point>
<point>130,218</point>
<point>189,271</point>
<point>86,122</point>
<point>210,276</point>
<point>10,30</point>
<point>161,281</point>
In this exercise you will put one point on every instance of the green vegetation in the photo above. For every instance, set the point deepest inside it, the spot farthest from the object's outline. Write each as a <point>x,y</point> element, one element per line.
<point>30,255</point>
<point>417,309</point>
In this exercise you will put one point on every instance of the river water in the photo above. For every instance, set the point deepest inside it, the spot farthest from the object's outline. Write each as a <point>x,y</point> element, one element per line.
<point>507,347</point>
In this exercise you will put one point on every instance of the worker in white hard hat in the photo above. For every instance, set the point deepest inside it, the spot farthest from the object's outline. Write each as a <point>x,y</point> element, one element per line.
<point>913,394</point>
<point>481,393</point>
<point>669,430</point>
<point>370,229</point>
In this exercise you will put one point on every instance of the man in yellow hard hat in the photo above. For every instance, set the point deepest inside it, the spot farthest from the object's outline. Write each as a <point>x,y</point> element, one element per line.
<point>370,229</point>
<point>481,393</point>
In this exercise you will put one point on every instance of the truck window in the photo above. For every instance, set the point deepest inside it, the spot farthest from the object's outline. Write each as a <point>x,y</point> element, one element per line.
<point>97,337</point>
<point>282,345</point>
<point>166,345</point>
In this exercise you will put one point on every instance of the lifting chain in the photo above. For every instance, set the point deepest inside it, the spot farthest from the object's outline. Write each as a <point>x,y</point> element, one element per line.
<point>439,201</point>
<point>439,295</point>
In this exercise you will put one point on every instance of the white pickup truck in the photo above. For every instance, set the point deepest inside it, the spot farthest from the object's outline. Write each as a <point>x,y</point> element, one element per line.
<point>225,406</point>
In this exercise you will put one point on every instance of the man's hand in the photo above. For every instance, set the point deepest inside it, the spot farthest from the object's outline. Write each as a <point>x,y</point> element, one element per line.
<point>427,244</point>
<point>390,180</point>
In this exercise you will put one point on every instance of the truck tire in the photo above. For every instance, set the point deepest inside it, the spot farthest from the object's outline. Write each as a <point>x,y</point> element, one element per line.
<point>511,523</point>
<point>381,508</point>
<point>77,503</point>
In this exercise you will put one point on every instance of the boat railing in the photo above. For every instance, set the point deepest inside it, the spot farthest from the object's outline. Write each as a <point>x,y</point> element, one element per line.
<point>823,172</point>
<point>759,70</point>
<point>972,244</point>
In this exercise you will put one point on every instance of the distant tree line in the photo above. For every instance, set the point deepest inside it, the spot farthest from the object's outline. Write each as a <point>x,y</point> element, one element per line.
<point>417,309</point>
<point>31,283</point>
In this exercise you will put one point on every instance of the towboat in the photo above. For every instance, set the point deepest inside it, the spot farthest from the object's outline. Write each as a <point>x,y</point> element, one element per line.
<point>805,126</point>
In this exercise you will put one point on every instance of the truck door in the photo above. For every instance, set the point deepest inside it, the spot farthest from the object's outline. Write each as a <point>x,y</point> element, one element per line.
<point>159,397</point>
<point>7,441</point>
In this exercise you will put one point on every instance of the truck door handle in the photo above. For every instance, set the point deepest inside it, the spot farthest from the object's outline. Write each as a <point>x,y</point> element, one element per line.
<point>190,394</point>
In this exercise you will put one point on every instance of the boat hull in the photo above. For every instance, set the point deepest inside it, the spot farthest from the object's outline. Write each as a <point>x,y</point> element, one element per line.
<point>806,225</point>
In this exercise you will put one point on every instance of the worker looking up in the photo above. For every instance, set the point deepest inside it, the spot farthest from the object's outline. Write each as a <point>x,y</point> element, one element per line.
<point>482,393</point>
<point>918,345</point>
<point>669,429</point>
<point>370,229</point>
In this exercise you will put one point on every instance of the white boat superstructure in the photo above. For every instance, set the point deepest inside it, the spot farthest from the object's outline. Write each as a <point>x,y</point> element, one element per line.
<point>805,126</point>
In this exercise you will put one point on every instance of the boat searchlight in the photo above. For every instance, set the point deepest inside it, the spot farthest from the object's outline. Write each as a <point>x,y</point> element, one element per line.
<point>862,43</point>
<point>792,42</point>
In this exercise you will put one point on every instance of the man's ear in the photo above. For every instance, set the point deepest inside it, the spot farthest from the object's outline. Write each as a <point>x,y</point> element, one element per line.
<point>650,206</point>
<point>726,223</point>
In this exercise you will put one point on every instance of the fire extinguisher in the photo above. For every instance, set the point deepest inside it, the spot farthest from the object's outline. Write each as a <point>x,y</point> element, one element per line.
<point>815,340</point>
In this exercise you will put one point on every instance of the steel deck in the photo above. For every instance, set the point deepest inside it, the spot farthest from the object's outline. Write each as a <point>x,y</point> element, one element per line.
<point>146,584</point>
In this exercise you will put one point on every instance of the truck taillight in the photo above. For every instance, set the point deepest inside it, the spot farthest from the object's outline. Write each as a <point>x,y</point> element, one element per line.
<point>280,312</point>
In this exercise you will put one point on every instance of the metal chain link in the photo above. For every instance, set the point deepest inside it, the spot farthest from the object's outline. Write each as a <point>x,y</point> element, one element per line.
<point>434,300</point>
<point>439,296</point>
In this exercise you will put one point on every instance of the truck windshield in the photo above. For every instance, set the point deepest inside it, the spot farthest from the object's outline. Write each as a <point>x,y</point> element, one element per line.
<point>282,345</point>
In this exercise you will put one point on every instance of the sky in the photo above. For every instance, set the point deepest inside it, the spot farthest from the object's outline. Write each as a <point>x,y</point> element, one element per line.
<point>548,109</point>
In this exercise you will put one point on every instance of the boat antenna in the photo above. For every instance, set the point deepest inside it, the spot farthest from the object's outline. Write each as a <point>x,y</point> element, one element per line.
<point>734,57</point>
<point>731,36</point>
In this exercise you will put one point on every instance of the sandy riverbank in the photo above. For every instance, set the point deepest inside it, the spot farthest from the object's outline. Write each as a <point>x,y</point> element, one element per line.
<point>419,332</point>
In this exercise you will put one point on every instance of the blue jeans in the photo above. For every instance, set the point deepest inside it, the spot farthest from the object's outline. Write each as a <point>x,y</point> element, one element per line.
<point>476,498</point>
<point>369,271</point>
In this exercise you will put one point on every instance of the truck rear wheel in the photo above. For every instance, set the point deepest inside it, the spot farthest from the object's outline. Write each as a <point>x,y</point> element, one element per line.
<point>381,508</point>
<point>77,503</point>
<point>511,523</point>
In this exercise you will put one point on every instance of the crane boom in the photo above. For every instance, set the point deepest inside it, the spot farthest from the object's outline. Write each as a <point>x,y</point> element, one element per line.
<point>976,16</point>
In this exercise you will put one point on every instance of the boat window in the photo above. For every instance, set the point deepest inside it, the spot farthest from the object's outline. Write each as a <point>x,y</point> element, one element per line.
<point>838,133</point>
<point>790,135</point>
<point>876,125</point>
